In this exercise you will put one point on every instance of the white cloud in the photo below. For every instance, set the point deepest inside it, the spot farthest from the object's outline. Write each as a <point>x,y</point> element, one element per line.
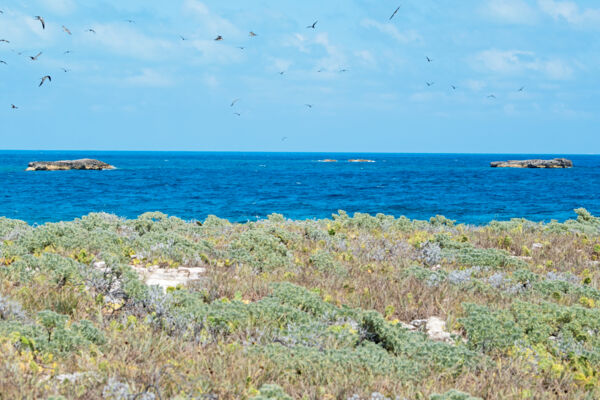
<point>150,78</point>
<point>366,57</point>
<point>570,11</point>
<point>60,7</point>
<point>211,23</point>
<point>518,62</point>
<point>512,11</point>
<point>126,40</point>
<point>409,36</point>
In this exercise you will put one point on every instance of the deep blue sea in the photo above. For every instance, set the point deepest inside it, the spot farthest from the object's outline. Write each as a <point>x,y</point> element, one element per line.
<point>246,186</point>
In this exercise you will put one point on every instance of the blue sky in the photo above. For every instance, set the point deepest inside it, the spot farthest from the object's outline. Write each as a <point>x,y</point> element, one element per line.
<point>138,86</point>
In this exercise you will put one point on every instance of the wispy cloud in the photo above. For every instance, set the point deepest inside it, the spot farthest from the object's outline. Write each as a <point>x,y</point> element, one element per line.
<point>150,78</point>
<point>128,41</point>
<point>210,23</point>
<point>519,61</point>
<point>511,11</point>
<point>570,12</point>
<point>409,36</point>
<point>60,7</point>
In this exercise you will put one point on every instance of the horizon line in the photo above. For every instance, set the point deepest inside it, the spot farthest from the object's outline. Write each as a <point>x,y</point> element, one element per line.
<point>294,152</point>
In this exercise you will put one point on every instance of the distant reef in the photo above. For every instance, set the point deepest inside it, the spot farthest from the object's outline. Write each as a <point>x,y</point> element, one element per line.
<point>65,165</point>
<point>555,163</point>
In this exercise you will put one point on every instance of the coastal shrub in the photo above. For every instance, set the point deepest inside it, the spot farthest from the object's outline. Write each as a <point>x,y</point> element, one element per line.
<point>271,392</point>
<point>261,250</point>
<point>466,254</point>
<point>453,395</point>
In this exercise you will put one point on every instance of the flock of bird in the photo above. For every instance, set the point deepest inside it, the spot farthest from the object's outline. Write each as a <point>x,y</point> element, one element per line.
<point>219,38</point>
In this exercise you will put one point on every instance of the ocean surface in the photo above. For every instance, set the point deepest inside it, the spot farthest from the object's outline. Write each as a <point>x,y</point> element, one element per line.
<point>247,186</point>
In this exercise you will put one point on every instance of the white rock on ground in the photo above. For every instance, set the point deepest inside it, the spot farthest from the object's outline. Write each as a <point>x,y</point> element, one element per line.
<point>165,278</point>
<point>436,330</point>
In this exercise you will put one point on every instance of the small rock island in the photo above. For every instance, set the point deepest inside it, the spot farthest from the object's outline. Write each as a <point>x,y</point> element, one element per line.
<point>555,163</point>
<point>66,165</point>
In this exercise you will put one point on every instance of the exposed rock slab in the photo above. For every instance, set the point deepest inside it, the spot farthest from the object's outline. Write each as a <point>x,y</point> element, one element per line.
<point>555,163</point>
<point>166,278</point>
<point>65,165</point>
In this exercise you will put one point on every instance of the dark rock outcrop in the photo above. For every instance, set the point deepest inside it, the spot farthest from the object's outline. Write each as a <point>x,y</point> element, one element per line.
<point>555,163</point>
<point>84,164</point>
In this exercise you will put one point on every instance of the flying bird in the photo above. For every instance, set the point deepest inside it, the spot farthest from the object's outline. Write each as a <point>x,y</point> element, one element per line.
<point>453,87</point>
<point>4,41</point>
<point>219,38</point>
<point>91,30</point>
<point>65,70</point>
<point>491,96</point>
<point>48,77</point>
<point>429,84</point>
<point>233,102</point>
<point>241,47</point>
<point>321,70</point>
<point>130,21</point>
<point>42,21</point>
<point>14,107</point>
<point>34,58</point>
<point>252,34</point>
<point>309,105</point>
<point>395,12</point>
<point>522,88</point>
<point>313,26</point>
<point>67,52</point>
<point>182,38</point>
<point>283,139</point>
<point>66,29</point>
<point>238,114</point>
<point>428,59</point>
<point>3,62</point>
<point>343,70</point>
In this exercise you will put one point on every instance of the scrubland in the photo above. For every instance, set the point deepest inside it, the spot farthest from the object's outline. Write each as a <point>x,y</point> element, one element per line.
<point>315,309</point>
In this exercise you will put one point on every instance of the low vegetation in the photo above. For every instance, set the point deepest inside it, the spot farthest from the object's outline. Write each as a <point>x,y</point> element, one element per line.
<point>316,309</point>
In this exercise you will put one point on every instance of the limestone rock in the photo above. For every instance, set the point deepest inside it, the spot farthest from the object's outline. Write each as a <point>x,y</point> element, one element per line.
<point>65,165</point>
<point>555,163</point>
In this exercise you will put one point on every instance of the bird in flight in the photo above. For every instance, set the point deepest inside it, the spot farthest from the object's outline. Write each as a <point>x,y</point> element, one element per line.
<point>252,34</point>
<point>283,139</point>
<point>130,21</point>
<point>3,62</point>
<point>282,72</point>
<point>65,70</point>
<point>91,30</point>
<point>34,58</point>
<point>313,26</point>
<point>343,70</point>
<point>42,21</point>
<point>48,77</point>
<point>66,29</point>
<point>238,114</point>
<point>453,87</point>
<point>182,38</point>
<point>395,12</point>
<point>14,107</point>
<point>4,41</point>
<point>67,52</point>
<point>491,96</point>
<point>321,70</point>
<point>233,102</point>
<point>429,84</point>
<point>241,47</point>
<point>219,38</point>
<point>309,105</point>
<point>521,88</point>
<point>428,59</point>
